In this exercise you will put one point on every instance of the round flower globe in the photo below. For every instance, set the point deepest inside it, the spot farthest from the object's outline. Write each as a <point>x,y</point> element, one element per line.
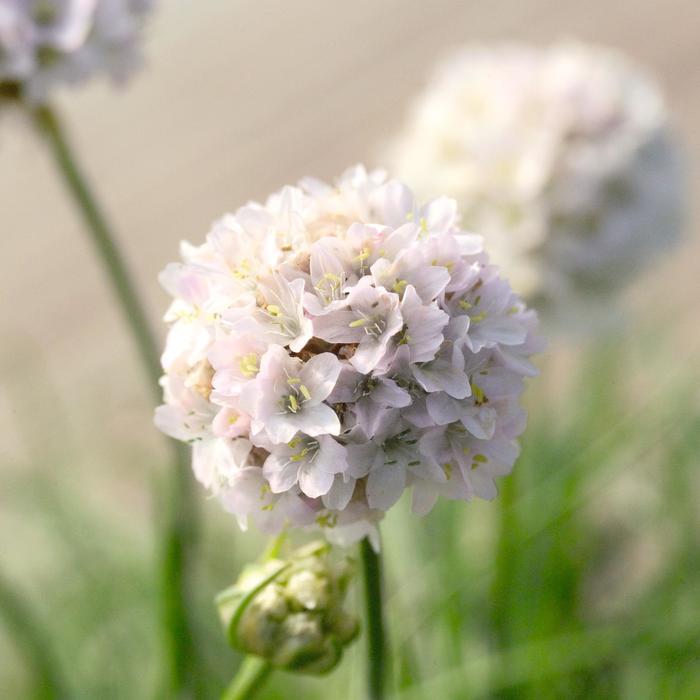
<point>47,42</point>
<point>340,344</point>
<point>561,157</point>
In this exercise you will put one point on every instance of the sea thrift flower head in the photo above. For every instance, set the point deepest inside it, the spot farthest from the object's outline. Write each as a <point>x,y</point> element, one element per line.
<point>290,611</point>
<point>562,158</point>
<point>46,42</point>
<point>338,345</point>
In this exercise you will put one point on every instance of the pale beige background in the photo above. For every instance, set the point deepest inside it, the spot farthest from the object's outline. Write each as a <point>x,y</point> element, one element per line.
<point>236,99</point>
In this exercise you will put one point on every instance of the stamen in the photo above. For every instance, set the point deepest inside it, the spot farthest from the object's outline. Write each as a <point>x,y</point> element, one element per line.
<point>400,286</point>
<point>305,391</point>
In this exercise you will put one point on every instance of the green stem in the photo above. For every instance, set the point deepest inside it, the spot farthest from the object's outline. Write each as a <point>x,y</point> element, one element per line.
<point>376,639</point>
<point>250,678</point>
<point>178,535</point>
<point>30,636</point>
<point>105,244</point>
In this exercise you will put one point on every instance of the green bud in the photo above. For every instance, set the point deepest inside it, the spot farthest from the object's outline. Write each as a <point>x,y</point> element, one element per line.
<point>290,611</point>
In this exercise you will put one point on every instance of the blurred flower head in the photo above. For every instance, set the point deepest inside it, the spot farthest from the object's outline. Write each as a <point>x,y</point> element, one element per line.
<point>47,42</point>
<point>562,158</point>
<point>290,611</point>
<point>340,344</point>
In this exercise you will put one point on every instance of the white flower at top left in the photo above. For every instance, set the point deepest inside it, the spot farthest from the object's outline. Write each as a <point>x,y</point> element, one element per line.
<point>47,42</point>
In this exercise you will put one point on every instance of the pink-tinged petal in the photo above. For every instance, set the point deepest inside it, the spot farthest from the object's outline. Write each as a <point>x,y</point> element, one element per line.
<point>480,422</point>
<point>438,376</point>
<point>314,482</point>
<point>368,356</point>
<point>363,458</point>
<point>332,456</point>
<point>385,486</point>
<point>348,386</point>
<point>424,498</point>
<point>424,324</point>
<point>388,393</point>
<point>443,408</point>
<point>440,214</point>
<point>334,327</point>
<point>507,331</point>
<point>417,413</point>
<point>484,486</point>
<point>317,420</point>
<point>230,423</point>
<point>281,428</point>
<point>320,374</point>
<point>433,444</point>
<point>340,493</point>
<point>369,414</point>
<point>281,472</point>
<point>398,203</point>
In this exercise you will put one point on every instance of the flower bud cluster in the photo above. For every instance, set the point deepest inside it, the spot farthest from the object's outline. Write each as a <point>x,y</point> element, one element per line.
<point>338,345</point>
<point>290,611</point>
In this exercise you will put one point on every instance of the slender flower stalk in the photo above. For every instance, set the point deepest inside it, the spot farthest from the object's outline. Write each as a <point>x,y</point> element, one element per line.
<point>179,527</point>
<point>250,678</point>
<point>376,636</point>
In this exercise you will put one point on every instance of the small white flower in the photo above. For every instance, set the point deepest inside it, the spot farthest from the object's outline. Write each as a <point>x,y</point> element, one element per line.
<point>369,318</point>
<point>287,396</point>
<point>310,462</point>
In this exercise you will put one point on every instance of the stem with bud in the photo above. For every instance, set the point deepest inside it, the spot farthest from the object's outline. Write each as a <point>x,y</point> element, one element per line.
<point>250,678</point>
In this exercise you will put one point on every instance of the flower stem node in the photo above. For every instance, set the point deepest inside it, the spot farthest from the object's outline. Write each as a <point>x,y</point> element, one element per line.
<point>290,611</point>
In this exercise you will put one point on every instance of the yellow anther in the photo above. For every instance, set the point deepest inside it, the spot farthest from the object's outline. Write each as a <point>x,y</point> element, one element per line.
<point>242,271</point>
<point>293,403</point>
<point>464,305</point>
<point>480,458</point>
<point>479,317</point>
<point>248,364</point>
<point>400,286</point>
<point>305,391</point>
<point>364,254</point>
<point>447,468</point>
<point>293,380</point>
<point>478,393</point>
<point>358,323</point>
<point>294,442</point>
<point>273,310</point>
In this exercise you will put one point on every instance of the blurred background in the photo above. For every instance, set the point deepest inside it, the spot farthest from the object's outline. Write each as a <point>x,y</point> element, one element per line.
<point>581,580</point>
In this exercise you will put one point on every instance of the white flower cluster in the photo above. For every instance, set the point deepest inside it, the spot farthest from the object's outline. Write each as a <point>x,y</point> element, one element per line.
<point>44,42</point>
<point>562,158</point>
<point>337,345</point>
